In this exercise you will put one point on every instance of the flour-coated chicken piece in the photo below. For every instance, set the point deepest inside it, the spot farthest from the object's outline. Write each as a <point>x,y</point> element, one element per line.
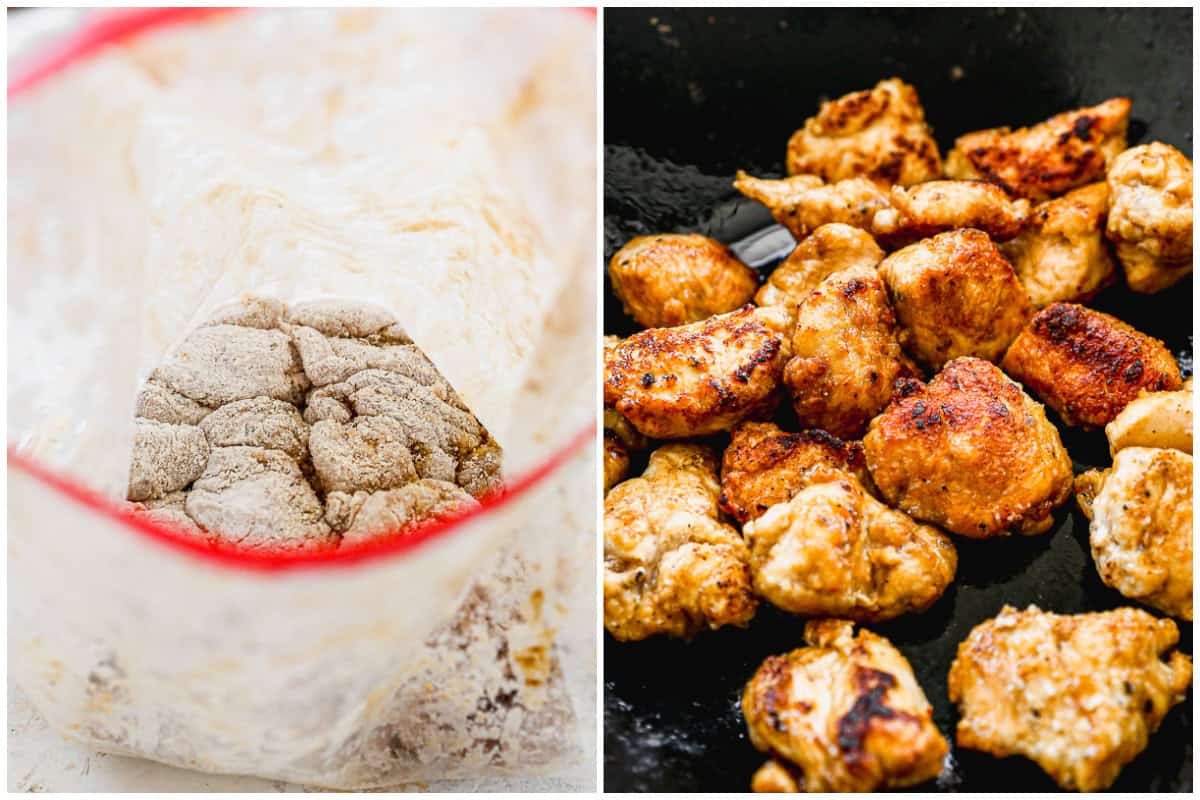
<point>843,714</point>
<point>803,203</point>
<point>971,453</point>
<point>1043,161</point>
<point>926,209</point>
<point>846,354</point>
<point>879,134</point>
<point>955,295</point>
<point>1088,365</point>
<point>1061,256</point>
<point>1078,694</point>
<point>696,379</point>
<point>1154,419</point>
<point>765,465</point>
<point>675,278</point>
<point>1141,526</point>
<point>833,550</point>
<point>830,248</point>
<point>1150,215</point>
<point>670,565</point>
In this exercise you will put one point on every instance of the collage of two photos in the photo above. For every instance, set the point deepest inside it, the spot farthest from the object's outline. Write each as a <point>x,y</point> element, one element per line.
<point>614,399</point>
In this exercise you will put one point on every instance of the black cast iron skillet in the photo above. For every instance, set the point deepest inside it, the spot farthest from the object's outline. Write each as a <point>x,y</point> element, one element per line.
<point>693,95</point>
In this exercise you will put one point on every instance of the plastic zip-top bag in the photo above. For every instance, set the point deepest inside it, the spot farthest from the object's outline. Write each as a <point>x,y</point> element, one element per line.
<point>243,253</point>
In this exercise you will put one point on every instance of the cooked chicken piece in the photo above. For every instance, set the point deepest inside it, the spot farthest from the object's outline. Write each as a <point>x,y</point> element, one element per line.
<point>764,465</point>
<point>971,453</point>
<point>955,295</point>
<point>1087,365</point>
<point>878,134</point>
<point>834,550</point>
<point>1154,419</point>
<point>696,379</point>
<point>670,565</point>
<point>1141,530</point>
<point>1150,215</point>
<point>845,353</point>
<point>1052,157</point>
<point>620,440</point>
<point>672,279</point>
<point>830,248</point>
<point>1061,255</point>
<point>938,206</point>
<point>616,461</point>
<point>844,714</point>
<point>804,203</point>
<point>1078,694</point>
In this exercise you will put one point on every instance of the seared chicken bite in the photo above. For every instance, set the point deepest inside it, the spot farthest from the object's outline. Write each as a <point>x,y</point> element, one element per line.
<point>697,379</point>
<point>830,248</point>
<point>834,550</point>
<point>938,206</point>
<point>844,714</point>
<point>1150,215</point>
<point>620,440</point>
<point>764,465</point>
<point>804,203</point>
<point>1088,365</point>
<point>1154,419</point>
<point>673,278</point>
<point>1141,529</point>
<point>971,453</point>
<point>1061,255</point>
<point>670,565</point>
<point>1052,157</point>
<point>878,134</point>
<point>955,295</point>
<point>616,460</point>
<point>1078,694</point>
<point>845,353</point>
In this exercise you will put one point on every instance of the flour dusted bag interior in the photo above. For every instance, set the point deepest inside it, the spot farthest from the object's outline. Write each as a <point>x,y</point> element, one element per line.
<point>438,166</point>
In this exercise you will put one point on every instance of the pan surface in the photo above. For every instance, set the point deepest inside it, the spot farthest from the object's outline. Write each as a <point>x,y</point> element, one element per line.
<point>693,95</point>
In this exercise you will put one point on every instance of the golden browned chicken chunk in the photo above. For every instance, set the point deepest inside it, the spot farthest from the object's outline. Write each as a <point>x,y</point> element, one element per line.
<point>1150,215</point>
<point>1052,157</point>
<point>620,440</point>
<point>1078,694</point>
<point>1154,419</point>
<point>1088,365</point>
<point>674,278</point>
<point>616,460</point>
<point>971,453</point>
<point>845,353</point>
<point>1141,529</point>
<point>844,714</point>
<point>879,134</point>
<point>830,248</point>
<point>765,465</point>
<point>670,565</point>
<point>939,206</point>
<point>804,203</point>
<point>834,550</point>
<point>955,295</point>
<point>1061,255</point>
<point>697,379</point>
